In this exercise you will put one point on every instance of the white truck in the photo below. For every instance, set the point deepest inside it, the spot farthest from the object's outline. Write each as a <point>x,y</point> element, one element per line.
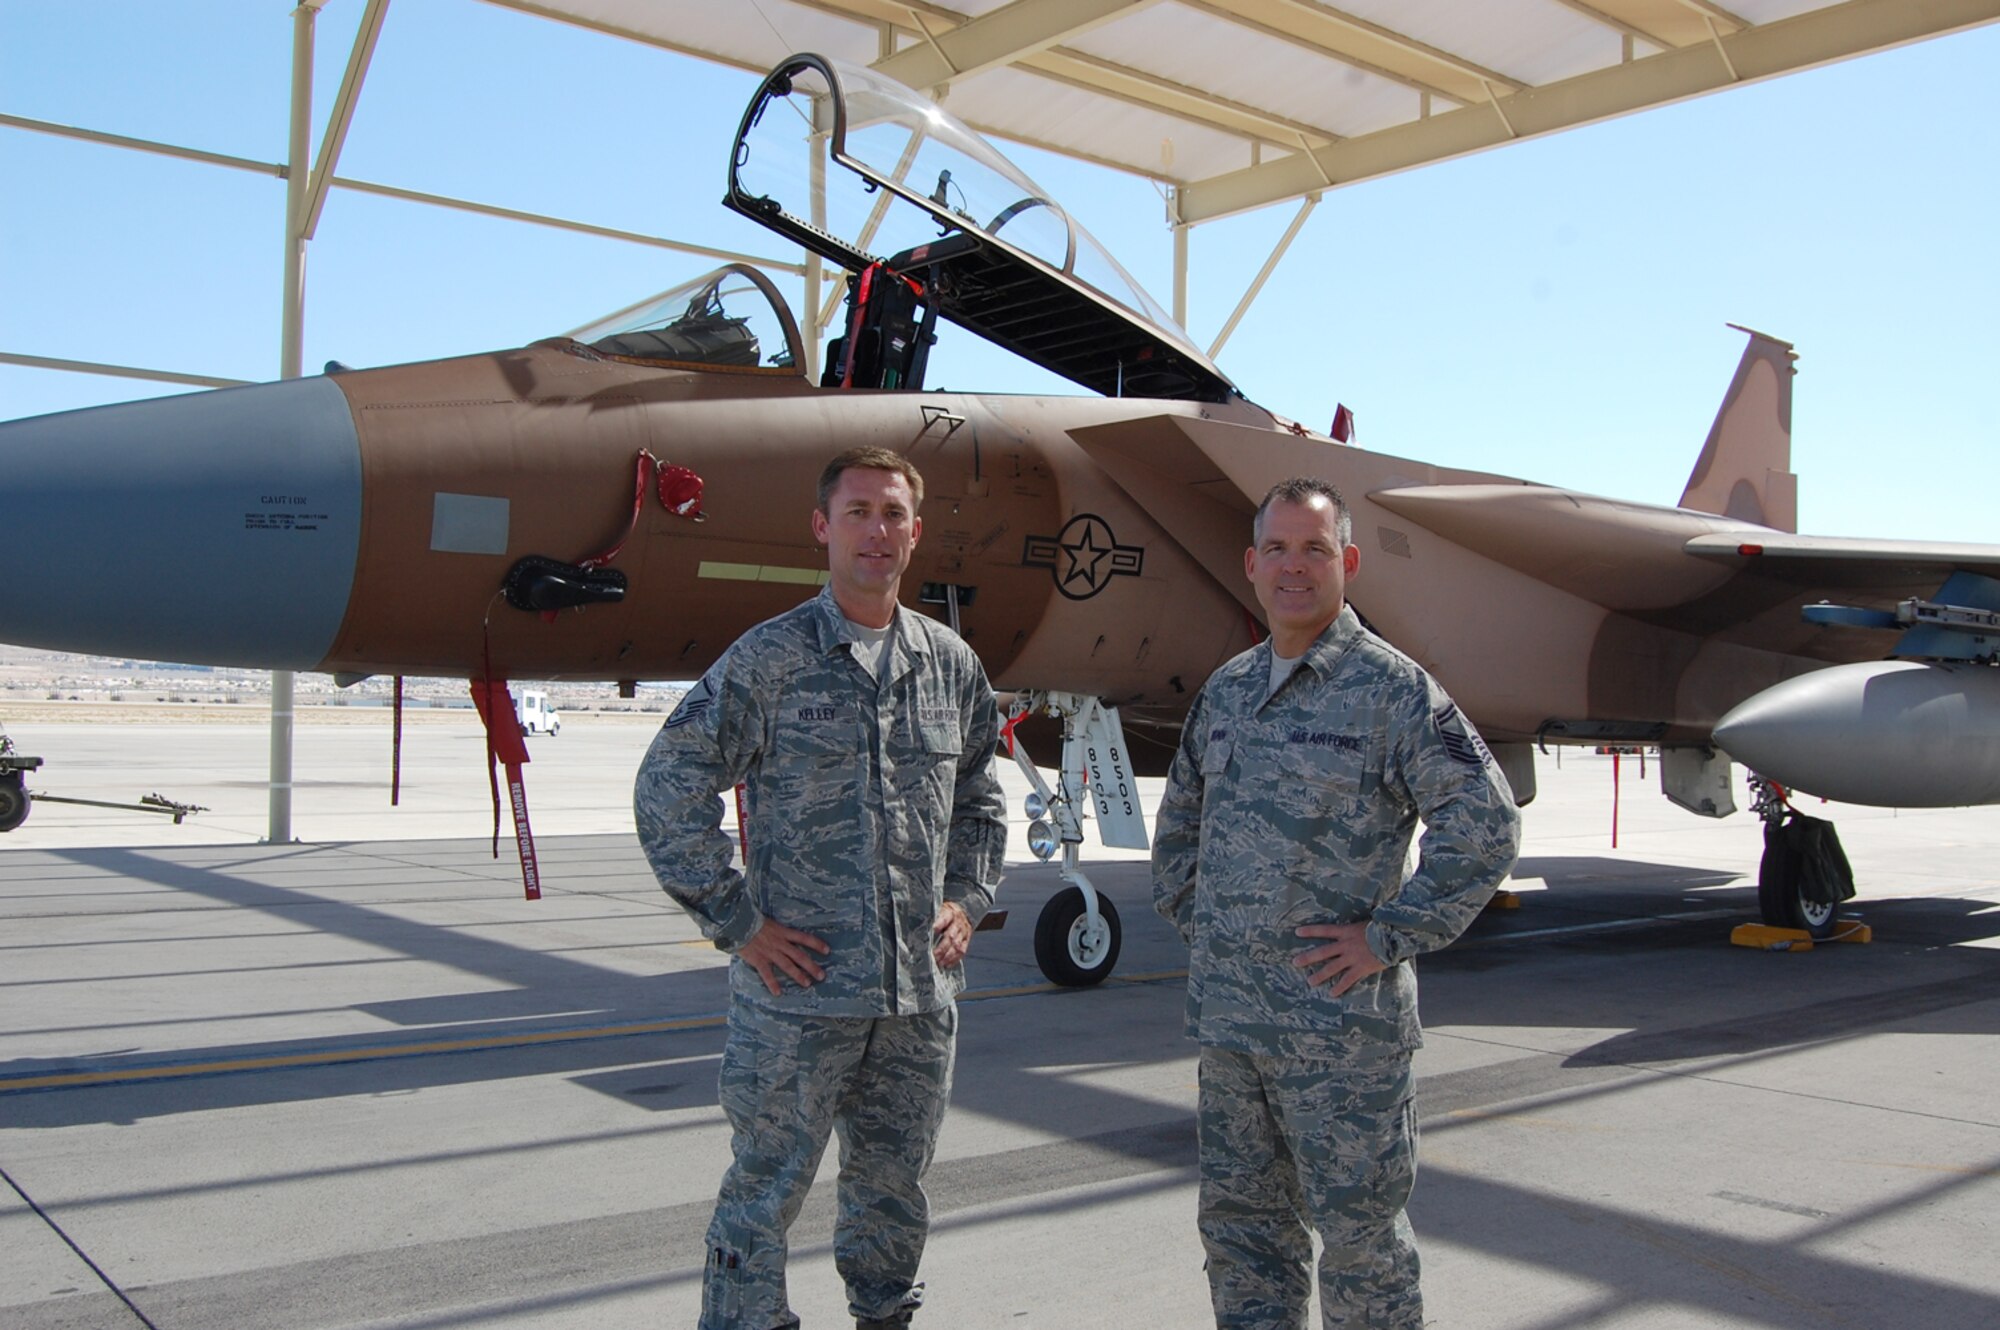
<point>532,709</point>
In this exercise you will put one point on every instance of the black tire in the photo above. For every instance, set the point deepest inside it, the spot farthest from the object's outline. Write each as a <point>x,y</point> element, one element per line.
<point>1779,900</point>
<point>14,802</point>
<point>1064,949</point>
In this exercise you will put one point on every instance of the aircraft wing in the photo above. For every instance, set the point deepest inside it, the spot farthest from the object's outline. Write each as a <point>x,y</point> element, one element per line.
<point>1874,573</point>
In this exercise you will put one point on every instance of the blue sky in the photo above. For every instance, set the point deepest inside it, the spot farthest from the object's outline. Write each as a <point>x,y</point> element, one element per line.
<point>1554,310</point>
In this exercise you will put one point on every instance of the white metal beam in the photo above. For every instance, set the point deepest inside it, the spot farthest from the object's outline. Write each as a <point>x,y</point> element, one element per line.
<point>1662,23</point>
<point>279,170</point>
<point>1003,36</point>
<point>563,224</point>
<point>1264,274</point>
<point>1711,10</point>
<point>118,371</point>
<point>1625,26</point>
<point>1814,38</point>
<point>566,15</point>
<point>1126,84</point>
<point>343,111</point>
<point>1383,50</point>
<point>1357,42</point>
<point>142,145</point>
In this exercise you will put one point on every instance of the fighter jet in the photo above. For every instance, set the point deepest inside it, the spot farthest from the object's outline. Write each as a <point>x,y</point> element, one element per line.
<point>622,502</point>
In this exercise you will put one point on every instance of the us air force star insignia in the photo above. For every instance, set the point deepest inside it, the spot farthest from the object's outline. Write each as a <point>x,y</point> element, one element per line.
<point>694,702</point>
<point>1083,557</point>
<point>1460,740</point>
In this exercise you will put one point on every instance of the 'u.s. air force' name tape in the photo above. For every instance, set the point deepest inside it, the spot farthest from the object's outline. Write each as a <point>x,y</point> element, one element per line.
<point>694,703</point>
<point>1459,739</point>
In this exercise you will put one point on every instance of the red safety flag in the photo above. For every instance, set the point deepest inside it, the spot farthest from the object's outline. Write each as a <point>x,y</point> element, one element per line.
<point>506,746</point>
<point>1343,424</point>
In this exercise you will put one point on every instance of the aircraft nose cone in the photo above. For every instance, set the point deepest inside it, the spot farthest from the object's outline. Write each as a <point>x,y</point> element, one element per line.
<point>218,528</point>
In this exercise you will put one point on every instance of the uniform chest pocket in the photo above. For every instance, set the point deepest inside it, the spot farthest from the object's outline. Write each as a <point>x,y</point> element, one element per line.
<point>925,748</point>
<point>1330,776</point>
<point>939,740</point>
<point>815,738</point>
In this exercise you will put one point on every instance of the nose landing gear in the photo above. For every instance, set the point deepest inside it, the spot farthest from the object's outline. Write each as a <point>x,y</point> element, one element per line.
<point>1078,934</point>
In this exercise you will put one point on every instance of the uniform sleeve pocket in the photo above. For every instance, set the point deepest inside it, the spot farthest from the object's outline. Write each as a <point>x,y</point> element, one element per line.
<point>942,741</point>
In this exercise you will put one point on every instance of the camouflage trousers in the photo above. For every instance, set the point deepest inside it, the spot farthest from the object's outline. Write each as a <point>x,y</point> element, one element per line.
<point>881,1084</point>
<point>1290,1145</point>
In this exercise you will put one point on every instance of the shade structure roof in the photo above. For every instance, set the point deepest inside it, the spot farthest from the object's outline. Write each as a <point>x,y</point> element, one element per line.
<point>1240,104</point>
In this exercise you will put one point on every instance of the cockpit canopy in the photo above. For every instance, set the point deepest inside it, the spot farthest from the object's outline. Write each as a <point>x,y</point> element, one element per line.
<point>729,318</point>
<point>944,210</point>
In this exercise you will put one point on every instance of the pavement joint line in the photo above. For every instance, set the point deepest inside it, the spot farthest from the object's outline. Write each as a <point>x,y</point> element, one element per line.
<point>158,1071</point>
<point>82,1255</point>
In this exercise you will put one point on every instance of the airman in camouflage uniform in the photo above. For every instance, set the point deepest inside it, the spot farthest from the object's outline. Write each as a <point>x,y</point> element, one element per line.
<point>1280,855</point>
<point>876,830</point>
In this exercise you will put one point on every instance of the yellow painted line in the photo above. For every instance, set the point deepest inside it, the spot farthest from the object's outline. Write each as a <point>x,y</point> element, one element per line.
<point>283,1061</point>
<point>382,1052</point>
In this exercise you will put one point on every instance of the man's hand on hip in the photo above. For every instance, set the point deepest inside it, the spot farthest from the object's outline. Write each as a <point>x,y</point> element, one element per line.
<point>1344,961</point>
<point>953,931</point>
<point>778,949</point>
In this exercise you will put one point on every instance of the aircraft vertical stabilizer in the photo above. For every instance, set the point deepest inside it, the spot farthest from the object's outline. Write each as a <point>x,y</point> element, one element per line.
<point>1745,467</point>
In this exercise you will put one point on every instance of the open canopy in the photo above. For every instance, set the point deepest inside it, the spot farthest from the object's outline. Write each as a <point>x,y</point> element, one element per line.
<point>921,193</point>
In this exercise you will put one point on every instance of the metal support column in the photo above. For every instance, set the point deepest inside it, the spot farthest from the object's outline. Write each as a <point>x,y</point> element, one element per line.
<point>292,365</point>
<point>1180,273</point>
<point>815,315</point>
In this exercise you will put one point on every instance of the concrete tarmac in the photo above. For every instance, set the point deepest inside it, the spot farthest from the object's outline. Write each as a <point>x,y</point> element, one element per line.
<point>357,1081</point>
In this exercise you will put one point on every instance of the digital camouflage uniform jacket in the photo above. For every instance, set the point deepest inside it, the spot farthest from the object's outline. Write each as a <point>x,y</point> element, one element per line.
<point>1299,810</point>
<point>869,807</point>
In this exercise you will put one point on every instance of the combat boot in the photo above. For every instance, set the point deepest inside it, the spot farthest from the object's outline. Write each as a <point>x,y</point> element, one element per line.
<point>900,1321</point>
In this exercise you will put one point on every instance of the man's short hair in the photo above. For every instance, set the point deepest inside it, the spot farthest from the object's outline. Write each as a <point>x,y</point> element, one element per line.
<point>870,459</point>
<point>1304,489</point>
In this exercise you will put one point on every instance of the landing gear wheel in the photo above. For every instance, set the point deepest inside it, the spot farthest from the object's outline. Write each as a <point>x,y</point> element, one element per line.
<point>1072,949</point>
<point>14,802</point>
<point>1780,901</point>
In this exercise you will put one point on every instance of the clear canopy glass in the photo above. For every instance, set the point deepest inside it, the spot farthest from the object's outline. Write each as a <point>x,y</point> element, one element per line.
<point>926,176</point>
